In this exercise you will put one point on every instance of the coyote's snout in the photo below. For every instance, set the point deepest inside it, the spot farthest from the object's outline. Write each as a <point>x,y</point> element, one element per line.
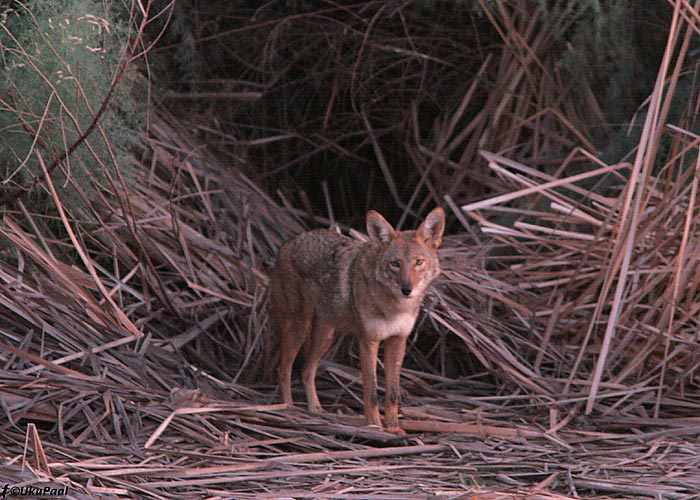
<point>325,282</point>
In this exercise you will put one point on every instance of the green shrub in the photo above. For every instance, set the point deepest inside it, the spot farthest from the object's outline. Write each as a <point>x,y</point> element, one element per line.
<point>60,59</point>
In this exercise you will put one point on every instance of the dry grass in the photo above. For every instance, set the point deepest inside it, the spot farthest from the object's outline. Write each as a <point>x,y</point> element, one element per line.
<point>137,356</point>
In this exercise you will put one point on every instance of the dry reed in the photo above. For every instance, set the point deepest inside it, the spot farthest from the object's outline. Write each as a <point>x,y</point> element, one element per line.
<point>133,346</point>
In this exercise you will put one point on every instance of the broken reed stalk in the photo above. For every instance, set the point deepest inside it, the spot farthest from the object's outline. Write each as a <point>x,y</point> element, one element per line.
<point>641,170</point>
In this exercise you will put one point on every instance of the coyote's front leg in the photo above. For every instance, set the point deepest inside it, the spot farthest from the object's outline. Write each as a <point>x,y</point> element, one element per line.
<point>368,363</point>
<point>394,349</point>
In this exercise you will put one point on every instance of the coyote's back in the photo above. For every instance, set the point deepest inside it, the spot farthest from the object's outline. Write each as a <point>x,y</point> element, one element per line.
<point>325,282</point>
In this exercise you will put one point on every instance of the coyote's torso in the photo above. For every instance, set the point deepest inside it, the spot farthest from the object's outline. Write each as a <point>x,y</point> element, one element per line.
<point>324,282</point>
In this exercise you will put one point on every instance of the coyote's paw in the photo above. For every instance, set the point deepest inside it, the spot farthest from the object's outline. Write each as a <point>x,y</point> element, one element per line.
<point>395,429</point>
<point>316,409</point>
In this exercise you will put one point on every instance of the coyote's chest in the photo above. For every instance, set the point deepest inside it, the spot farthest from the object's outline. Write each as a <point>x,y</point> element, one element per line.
<point>380,328</point>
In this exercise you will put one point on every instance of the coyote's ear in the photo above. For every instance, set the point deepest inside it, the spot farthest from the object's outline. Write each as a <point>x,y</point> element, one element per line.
<point>430,231</point>
<point>378,229</point>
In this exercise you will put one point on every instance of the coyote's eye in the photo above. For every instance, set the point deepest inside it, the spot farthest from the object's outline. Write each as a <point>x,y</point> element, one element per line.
<point>419,261</point>
<point>395,264</point>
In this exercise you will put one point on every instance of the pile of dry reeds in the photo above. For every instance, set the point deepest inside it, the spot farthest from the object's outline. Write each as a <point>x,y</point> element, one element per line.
<point>134,339</point>
<point>611,269</point>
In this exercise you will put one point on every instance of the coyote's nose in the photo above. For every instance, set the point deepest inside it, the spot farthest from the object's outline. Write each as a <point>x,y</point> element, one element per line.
<point>406,290</point>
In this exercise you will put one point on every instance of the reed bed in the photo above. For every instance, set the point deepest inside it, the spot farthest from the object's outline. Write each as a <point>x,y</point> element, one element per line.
<point>115,400</point>
<point>555,357</point>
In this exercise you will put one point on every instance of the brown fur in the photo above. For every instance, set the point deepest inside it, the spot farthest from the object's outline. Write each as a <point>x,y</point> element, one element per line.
<point>324,282</point>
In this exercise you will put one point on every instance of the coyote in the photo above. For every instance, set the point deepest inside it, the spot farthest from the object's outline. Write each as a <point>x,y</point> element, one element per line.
<point>325,282</point>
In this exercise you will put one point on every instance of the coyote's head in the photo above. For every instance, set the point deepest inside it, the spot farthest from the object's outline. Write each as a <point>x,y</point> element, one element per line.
<point>408,260</point>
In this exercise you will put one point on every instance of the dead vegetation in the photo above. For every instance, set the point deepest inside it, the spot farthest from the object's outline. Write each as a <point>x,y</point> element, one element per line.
<point>556,357</point>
